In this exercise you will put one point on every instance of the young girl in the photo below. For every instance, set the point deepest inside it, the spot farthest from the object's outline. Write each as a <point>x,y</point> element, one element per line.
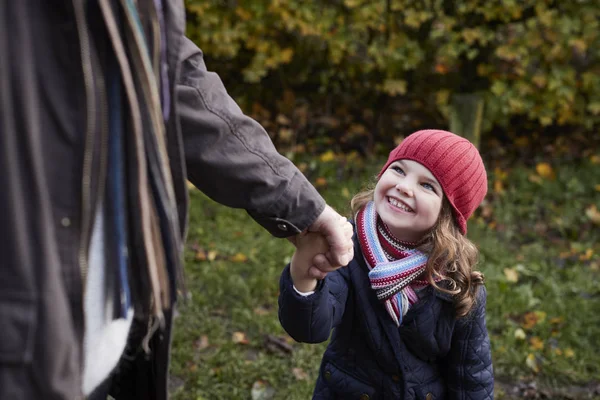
<point>408,312</point>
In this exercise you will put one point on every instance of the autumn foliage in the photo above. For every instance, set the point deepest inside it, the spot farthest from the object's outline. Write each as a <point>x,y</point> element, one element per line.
<point>534,60</point>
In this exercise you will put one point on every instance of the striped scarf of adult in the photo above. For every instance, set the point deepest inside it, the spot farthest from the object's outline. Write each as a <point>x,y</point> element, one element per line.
<point>394,265</point>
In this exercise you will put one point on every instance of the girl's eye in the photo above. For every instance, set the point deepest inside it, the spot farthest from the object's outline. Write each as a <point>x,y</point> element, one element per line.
<point>428,186</point>
<point>398,169</point>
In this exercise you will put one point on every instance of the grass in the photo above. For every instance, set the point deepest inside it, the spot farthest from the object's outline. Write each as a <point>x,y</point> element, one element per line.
<point>540,253</point>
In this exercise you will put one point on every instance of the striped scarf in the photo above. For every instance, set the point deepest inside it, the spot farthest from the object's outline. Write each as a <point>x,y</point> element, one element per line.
<point>394,265</point>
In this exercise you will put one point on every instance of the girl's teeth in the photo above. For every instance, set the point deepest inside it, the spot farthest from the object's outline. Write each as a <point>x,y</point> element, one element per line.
<point>400,205</point>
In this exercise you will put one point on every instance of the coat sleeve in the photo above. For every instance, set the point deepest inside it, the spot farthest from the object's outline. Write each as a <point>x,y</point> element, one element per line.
<point>310,319</point>
<point>468,365</point>
<point>230,157</point>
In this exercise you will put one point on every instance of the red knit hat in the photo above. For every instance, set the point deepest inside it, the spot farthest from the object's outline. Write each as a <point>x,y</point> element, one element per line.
<point>454,162</point>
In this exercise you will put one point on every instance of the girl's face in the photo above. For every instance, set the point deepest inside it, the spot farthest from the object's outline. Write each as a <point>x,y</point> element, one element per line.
<point>408,199</point>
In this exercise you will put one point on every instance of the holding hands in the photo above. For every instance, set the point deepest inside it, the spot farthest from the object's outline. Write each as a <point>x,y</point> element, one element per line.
<point>325,247</point>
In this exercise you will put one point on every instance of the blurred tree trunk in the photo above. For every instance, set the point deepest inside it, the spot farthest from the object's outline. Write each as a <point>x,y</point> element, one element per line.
<point>466,116</point>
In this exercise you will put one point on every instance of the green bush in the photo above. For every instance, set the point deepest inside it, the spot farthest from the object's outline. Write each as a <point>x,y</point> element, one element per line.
<point>537,60</point>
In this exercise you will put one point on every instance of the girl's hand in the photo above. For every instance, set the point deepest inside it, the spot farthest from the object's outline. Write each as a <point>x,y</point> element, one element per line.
<point>310,248</point>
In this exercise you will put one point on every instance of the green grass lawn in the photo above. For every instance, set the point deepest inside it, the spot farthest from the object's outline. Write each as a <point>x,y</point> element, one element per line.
<point>540,252</point>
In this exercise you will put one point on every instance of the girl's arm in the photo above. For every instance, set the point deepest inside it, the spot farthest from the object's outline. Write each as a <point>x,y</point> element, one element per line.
<point>468,365</point>
<point>310,318</point>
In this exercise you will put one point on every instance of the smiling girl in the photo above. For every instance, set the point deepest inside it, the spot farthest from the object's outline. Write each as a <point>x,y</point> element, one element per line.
<point>408,312</point>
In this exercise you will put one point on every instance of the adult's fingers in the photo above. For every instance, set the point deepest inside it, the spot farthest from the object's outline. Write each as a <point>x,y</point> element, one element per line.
<point>338,233</point>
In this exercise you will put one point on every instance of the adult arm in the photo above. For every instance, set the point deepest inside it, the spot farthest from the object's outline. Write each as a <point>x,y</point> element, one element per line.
<point>468,365</point>
<point>230,157</point>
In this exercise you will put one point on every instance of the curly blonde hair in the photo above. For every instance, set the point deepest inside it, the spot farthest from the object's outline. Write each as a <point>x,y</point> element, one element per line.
<point>452,257</point>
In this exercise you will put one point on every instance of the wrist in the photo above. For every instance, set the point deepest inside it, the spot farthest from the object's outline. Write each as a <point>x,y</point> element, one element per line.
<point>300,278</point>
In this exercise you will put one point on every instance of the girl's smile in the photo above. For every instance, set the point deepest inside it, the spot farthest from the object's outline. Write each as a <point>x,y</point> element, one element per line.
<point>408,198</point>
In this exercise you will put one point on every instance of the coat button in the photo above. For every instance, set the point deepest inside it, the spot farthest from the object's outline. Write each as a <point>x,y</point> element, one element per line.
<point>364,396</point>
<point>429,396</point>
<point>282,227</point>
<point>327,375</point>
<point>396,378</point>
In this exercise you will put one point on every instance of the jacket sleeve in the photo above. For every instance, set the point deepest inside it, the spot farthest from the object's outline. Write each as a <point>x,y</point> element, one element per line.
<point>310,319</point>
<point>230,157</point>
<point>468,365</point>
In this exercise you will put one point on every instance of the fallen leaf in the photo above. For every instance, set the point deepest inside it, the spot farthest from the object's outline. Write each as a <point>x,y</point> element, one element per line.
<point>597,187</point>
<point>261,311</point>
<point>569,353</point>
<point>535,179</point>
<point>532,363</point>
<point>201,255</point>
<point>545,170</point>
<point>556,320</point>
<point>201,343</point>
<point>327,156</point>
<point>520,334</point>
<point>299,374</point>
<point>595,159</point>
<point>593,214</point>
<point>587,255</point>
<point>239,337</point>
<point>212,254</point>
<point>239,258</point>
<point>282,120</point>
<point>529,320</point>
<point>536,343</point>
<point>345,192</point>
<point>321,182</point>
<point>498,187</point>
<point>511,275</point>
<point>541,316</point>
<point>261,390</point>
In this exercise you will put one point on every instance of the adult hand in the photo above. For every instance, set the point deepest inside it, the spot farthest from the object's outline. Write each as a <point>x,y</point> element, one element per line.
<point>338,233</point>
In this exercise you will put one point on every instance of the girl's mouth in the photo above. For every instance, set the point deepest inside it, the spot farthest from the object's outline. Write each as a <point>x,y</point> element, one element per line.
<point>400,204</point>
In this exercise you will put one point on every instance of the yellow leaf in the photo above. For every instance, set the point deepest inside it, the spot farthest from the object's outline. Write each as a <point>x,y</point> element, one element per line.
<point>569,353</point>
<point>212,254</point>
<point>500,174</point>
<point>201,255</point>
<point>535,179</point>
<point>545,170</point>
<point>556,320</point>
<point>345,192</point>
<point>541,316</point>
<point>595,159</point>
<point>593,214</point>
<point>239,258</point>
<point>202,343</point>
<point>511,274</point>
<point>286,55</point>
<point>536,343</point>
<point>520,334</point>
<point>321,182</point>
<point>532,363</point>
<point>327,156</point>
<point>529,320</point>
<point>597,187</point>
<point>498,187</point>
<point>239,337</point>
<point>299,374</point>
<point>587,255</point>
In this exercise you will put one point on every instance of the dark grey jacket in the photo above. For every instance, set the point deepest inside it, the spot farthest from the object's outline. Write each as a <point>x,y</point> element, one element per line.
<point>50,129</point>
<point>433,355</point>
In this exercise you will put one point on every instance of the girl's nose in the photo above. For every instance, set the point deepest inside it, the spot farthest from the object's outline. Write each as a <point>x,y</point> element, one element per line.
<point>405,187</point>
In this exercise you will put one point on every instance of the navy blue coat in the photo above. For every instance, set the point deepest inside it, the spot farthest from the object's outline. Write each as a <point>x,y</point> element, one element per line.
<point>432,355</point>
